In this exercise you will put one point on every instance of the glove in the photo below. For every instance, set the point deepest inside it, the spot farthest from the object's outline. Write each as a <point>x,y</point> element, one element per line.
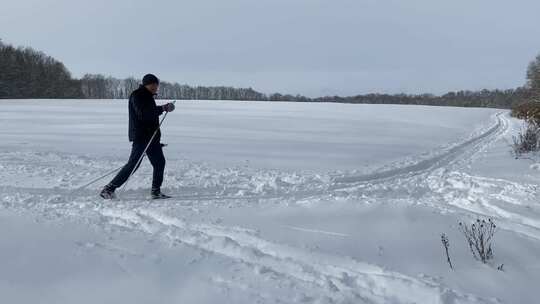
<point>168,107</point>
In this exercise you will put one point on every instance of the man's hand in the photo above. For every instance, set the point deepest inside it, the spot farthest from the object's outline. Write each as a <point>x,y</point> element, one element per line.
<point>168,107</point>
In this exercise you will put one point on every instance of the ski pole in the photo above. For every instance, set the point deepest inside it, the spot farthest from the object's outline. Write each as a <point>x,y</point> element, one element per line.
<point>144,152</point>
<point>98,178</point>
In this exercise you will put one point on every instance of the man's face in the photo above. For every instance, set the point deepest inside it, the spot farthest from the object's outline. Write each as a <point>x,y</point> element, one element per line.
<point>153,88</point>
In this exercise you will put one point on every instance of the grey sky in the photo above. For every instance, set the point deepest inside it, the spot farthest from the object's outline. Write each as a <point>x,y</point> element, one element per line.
<point>311,47</point>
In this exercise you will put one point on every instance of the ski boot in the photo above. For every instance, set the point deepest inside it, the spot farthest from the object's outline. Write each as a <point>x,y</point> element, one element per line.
<point>108,192</point>
<point>156,194</point>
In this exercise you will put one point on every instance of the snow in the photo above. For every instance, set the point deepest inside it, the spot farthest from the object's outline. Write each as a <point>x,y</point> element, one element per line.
<point>274,203</point>
<point>284,136</point>
<point>535,166</point>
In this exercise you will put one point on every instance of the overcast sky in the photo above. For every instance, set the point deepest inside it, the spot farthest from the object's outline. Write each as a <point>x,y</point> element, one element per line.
<point>310,47</point>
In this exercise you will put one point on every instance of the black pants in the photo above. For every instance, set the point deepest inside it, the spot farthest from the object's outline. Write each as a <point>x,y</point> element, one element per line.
<point>156,157</point>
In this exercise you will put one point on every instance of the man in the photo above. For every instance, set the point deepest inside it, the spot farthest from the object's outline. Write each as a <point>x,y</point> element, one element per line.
<point>143,122</point>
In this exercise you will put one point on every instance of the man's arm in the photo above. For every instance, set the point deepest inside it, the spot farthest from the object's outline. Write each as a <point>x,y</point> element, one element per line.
<point>146,111</point>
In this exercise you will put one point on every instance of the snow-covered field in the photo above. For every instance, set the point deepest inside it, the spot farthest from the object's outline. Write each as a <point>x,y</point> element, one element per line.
<point>274,203</point>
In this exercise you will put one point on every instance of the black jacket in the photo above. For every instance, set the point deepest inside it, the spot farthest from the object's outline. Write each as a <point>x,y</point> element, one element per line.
<point>143,116</point>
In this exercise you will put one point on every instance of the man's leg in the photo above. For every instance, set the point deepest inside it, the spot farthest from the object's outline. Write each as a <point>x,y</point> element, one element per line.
<point>157,159</point>
<point>120,178</point>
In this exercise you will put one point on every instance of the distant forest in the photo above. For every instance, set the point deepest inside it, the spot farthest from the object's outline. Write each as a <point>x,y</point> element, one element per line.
<point>27,73</point>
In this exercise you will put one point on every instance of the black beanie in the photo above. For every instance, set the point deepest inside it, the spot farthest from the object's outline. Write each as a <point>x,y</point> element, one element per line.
<point>150,79</point>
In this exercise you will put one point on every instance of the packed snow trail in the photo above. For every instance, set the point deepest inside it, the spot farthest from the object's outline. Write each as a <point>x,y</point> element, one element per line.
<point>439,182</point>
<point>436,181</point>
<point>235,183</point>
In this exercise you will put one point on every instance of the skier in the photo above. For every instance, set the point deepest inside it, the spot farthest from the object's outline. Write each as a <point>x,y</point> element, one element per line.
<point>143,122</point>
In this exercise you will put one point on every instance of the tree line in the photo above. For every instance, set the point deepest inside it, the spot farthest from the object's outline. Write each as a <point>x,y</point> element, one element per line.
<point>98,86</point>
<point>483,98</point>
<point>27,73</point>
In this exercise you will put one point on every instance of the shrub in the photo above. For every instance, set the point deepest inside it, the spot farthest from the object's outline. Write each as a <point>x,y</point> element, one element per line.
<point>529,111</point>
<point>479,236</point>
<point>446,245</point>
<point>528,139</point>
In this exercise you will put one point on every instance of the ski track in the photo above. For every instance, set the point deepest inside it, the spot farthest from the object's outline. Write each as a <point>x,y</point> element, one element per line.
<point>436,181</point>
<point>343,279</point>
